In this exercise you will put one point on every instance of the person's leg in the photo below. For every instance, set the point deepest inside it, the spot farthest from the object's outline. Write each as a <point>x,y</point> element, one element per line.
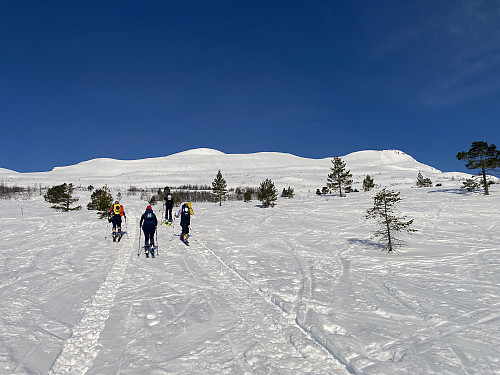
<point>113,220</point>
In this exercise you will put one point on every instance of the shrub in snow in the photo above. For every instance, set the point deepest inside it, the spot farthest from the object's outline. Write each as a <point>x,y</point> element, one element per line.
<point>423,182</point>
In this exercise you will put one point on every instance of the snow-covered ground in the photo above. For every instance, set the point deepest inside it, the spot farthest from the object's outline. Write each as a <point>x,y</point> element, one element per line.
<point>301,288</point>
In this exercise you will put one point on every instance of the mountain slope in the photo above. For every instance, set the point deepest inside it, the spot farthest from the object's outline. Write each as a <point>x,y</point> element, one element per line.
<point>200,166</point>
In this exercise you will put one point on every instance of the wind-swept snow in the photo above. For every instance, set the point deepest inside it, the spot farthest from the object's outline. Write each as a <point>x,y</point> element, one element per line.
<point>298,289</point>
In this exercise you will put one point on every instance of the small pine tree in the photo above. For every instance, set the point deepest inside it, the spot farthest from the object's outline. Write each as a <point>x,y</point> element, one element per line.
<point>471,185</point>
<point>101,200</point>
<point>423,182</point>
<point>483,157</point>
<point>219,188</point>
<point>368,183</point>
<point>267,193</point>
<point>62,197</point>
<point>339,178</point>
<point>247,196</point>
<point>287,193</point>
<point>389,224</point>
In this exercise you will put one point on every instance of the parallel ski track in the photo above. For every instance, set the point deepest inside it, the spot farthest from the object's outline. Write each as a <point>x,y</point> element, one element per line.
<point>291,320</point>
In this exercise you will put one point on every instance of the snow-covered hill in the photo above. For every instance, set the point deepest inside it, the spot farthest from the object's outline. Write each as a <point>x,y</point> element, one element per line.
<point>302,288</point>
<point>200,166</point>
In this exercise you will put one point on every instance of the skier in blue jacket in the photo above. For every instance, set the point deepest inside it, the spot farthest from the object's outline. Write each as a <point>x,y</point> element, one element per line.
<point>148,224</point>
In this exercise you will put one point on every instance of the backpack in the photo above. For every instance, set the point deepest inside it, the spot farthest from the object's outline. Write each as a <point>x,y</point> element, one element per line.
<point>117,209</point>
<point>185,212</point>
<point>149,217</point>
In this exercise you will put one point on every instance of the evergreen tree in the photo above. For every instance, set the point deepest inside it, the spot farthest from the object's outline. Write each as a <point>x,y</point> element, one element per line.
<point>471,185</point>
<point>101,200</point>
<point>219,188</point>
<point>389,224</point>
<point>339,178</point>
<point>368,183</point>
<point>287,193</point>
<point>62,197</point>
<point>483,157</point>
<point>267,193</point>
<point>423,182</point>
<point>247,196</point>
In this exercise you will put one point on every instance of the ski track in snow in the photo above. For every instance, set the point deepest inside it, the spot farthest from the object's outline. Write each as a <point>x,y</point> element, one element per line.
<point>82,347</point>
<point>288,323</point>
<point>294,289</point>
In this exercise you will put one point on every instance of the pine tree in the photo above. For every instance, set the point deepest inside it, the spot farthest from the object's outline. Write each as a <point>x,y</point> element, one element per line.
<point>471,185</point>
<point>247,196</point>
<point>389,224</point>
<point>339,178</point>
<point>423,182</point>
<point>287,193</point>
<point>368,183</point>
<point>267,193</point>
<point>101,200</point>
<point>219,188</point>
<point>62,197</point>
<point>481,156</point>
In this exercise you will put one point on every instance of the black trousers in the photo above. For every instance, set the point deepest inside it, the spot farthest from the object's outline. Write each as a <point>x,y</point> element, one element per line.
<point>149,234</point>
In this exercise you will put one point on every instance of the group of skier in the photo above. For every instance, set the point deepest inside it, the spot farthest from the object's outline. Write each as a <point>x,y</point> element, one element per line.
<point>149,221</point>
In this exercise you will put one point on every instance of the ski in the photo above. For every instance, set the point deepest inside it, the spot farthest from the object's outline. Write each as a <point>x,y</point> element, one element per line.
<point>185,241</point>
<point>117,236</point>
<point>148,250</point>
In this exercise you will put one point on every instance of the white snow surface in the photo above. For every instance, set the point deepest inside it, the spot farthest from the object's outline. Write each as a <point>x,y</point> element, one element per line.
<point>301,288</point>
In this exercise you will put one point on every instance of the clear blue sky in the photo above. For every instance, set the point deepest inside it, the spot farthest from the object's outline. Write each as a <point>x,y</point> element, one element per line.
<point>136,79</point>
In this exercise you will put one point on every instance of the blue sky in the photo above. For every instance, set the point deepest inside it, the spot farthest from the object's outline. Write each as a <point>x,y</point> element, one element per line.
<point>137,79</point>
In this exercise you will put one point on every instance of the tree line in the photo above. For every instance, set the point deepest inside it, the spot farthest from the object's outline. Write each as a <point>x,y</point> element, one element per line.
<point>480,156</point>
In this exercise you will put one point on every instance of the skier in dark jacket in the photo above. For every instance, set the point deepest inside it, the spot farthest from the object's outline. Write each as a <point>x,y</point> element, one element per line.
<point>185,214</point>
<point>149,224</point>
<point>169,204</point>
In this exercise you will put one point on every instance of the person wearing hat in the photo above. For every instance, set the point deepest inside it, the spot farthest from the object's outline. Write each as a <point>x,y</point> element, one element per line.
<point>148,224</point>
<point>185,215</point>
<point>115,216</point>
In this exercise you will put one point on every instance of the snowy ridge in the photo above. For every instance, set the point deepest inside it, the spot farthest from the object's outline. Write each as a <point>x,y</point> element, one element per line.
<point>199,167</point>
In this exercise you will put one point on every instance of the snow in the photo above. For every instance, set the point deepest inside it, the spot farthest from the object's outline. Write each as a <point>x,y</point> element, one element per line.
<point>302,288</point>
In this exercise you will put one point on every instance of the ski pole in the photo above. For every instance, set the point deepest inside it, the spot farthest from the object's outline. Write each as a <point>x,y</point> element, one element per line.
<point>157,247</point>
<point>139,248</point>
